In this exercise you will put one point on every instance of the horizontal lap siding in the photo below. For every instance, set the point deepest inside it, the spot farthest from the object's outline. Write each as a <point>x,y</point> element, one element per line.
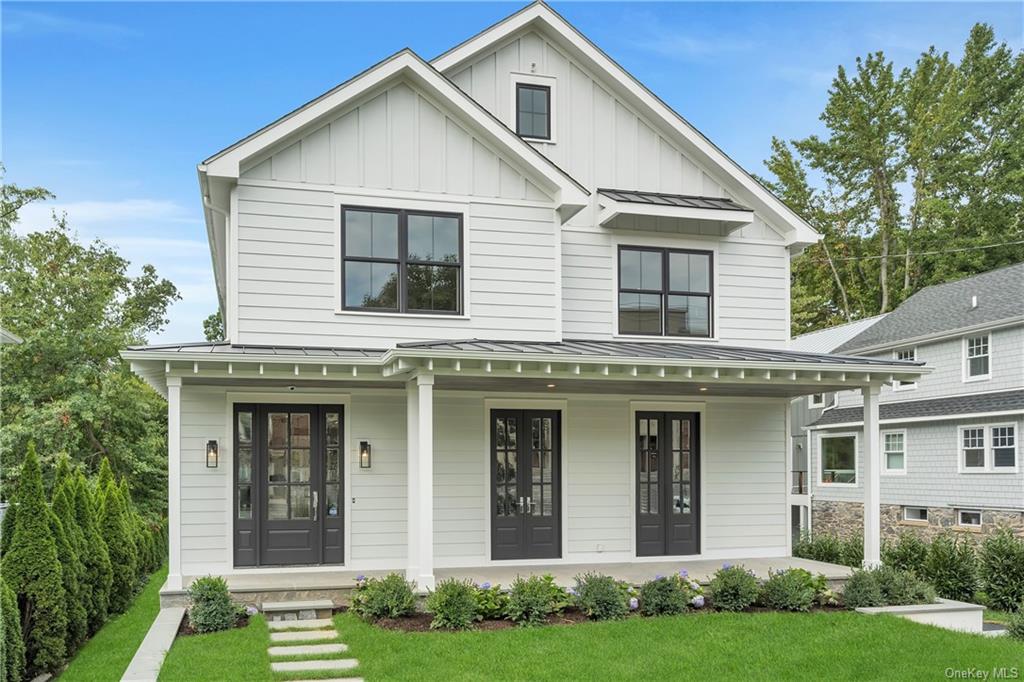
<point>379,510</point>
<point>287,287</point>
<point>460,477</point>
<point>205,493</point>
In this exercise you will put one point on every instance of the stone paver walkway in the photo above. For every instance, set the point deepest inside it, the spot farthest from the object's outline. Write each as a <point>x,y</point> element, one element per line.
<point>310,646</point>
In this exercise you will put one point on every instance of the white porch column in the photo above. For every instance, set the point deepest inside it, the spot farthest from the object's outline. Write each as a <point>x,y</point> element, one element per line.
<point>421,518</point>
<point>174,579</point>
<point>872,478</point>
<point>412,417</point>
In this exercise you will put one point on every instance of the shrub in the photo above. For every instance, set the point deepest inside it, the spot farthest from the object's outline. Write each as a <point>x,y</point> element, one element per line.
<point>821,547</point>
<point>116,531</point>
<point>951,566</point>
<point>851,551</point>
<point>492,602</point>
<point>12,649</point>
<point>601,597</point>
<point>900,587</point>
<point>31,569</point>
<point>862,589</point>
<point>663,596</point>
<point>387,597</point>
<point>210,607</point>
<point>791,590</point>
<point>733,588</point>
<point>1001,569</point>
<point>908,553</point>
<point>560,598</point>
<point>530,601</point>
<point>1015,625</point>
<point>71,574</point>
<point>454,605</point>
<point>95,557</point>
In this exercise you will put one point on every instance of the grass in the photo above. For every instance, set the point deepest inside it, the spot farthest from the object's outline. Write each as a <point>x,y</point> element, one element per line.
<point>108,653</point>
<point>835,645</point>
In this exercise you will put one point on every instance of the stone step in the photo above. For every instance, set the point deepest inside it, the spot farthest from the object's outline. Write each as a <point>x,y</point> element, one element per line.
<point>314,624</point>
<point>302,635</point>
<point>307,649</point>
<point>295,666</point>
<point>311,604</point>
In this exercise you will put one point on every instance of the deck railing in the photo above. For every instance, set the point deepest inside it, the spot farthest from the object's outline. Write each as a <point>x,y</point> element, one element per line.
<point>799,483</point>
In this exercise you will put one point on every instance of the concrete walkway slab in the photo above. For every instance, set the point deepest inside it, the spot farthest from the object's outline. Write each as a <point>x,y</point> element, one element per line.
<point>302,635</point>
<point>311,624</point>
<point>295,666</point>
<point>307,650</point>
<point>145,665</point>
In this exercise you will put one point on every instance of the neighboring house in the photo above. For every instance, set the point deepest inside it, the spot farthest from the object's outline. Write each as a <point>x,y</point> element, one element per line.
<point>7,337</point>
<point>452,344</point>
<point>950,441</point>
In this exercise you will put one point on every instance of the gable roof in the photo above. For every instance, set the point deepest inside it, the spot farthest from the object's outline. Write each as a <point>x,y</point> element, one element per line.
<point>539,15</point>
<point>828,339</point>
<point>946,309</point>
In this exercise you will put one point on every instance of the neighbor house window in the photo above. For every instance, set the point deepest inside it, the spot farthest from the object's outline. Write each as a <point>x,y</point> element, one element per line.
<point>977,358</point>
<point>664,292</point>
<point>1004,447</point>
<point>988,449</point>
<point>972,452</point>
<point>970,518</point>
<point>907,354</point>
<point>533,111</point>
<point>915,514</point>
<point>401,261</point>
<point>821,400</point>
<point>894,451</point>
<point>839,459</point>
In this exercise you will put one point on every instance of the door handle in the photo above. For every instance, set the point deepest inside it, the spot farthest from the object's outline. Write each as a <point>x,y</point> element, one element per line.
<point>529,505</point>
<point>521,507</point>
<point>316,504</point>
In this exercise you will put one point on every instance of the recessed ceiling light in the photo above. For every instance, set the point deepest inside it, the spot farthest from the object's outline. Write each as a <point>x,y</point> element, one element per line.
<point>551,385</point>
<point>703,388</point>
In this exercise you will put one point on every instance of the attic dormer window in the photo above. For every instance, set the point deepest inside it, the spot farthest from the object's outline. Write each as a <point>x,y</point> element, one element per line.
<point>533,111</point>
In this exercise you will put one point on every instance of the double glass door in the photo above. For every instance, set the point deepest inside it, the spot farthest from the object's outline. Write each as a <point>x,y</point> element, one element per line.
<point>667,480</point>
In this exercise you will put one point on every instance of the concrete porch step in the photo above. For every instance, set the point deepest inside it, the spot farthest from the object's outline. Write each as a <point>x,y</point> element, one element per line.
<point>301,635</point>
<point>312,624</point>
<point>296,666</point>
<point>307,650</point>
<point>272,606</point>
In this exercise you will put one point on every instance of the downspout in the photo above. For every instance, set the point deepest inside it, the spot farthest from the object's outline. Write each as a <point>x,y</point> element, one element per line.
<point>207,204</point>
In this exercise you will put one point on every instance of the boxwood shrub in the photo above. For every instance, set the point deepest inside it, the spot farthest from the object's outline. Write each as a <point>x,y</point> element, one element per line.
<point>601,597</point>
<point>454,605</point>
<point>733,588</point>
<point>530,601</point>
<point>387,597</point>
<point>862,590</point>
<point>663,596</point>
<point>210,606</point>
<point>790,590</point>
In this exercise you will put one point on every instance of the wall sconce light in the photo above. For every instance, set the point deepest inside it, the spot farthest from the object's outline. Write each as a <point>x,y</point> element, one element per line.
<point>211,454</point>
<point>364,454</point>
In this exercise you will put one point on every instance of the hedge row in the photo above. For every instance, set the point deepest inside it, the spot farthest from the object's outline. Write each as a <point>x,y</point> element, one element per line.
<point>67,564</point>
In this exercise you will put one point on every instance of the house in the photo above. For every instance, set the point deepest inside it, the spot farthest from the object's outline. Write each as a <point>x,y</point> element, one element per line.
<point>951,457</point>
<point>502,308</point>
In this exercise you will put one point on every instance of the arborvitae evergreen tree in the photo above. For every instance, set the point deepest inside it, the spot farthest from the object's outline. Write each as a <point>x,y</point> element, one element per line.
<point>95,559</point>
<point>12,648</point>
<point>136,528</point>
<point>7,527</point>
<point>31,569</point>
<point>105,476</point>
<point>61,472</point>
<point>117,533</point>
<point>69,551</point>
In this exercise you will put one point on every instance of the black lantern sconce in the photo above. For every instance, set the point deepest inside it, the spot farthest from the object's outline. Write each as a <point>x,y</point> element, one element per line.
<point>211,454</point>
<point>364,454</point>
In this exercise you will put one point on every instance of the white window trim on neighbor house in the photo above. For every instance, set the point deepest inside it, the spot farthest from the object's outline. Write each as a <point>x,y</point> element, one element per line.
<point>886,470</point>
<point>965,361</point>
<point>549,82</point>
<point>960,518</point>
<point>911,355</point>
<point>856,459</point>
<point>813,402</point>
<point>922,521</point>
<point>989,451</point>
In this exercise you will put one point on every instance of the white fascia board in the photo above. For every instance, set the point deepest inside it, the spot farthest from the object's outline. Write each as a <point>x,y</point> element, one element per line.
<point>219,260</point>
<point>799,235</point>
<point>611,209</point>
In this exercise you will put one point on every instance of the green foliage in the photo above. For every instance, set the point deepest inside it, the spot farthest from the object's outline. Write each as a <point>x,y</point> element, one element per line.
<point>1015,623</point>
<point>601,597</point>
<point>31,569</point>
<point>530,601</point>
<point>12,648</point>
<point>900,587</point>
<point>862,590</point>
<point>7,527</point>
<point>71,574</point>
<point>559,596</point>
<point>663,596</point>
<point>733,588</point>
<point>1001,569</point>
<point>791,590</point>
<point>387,597</point>
<point>852,551</point>
<point>209,605</point>
<point>831,549</point>
<point>454,605</point>
<point>213,327</point>
<point>907,553</point>
<point>95,557</point>
<point>492,601</point>
<point>65,387</point>
<point>951,567</point>
<point>116,532</point>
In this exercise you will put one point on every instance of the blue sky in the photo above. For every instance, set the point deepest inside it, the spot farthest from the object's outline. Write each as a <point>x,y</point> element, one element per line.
<point>111,105</point>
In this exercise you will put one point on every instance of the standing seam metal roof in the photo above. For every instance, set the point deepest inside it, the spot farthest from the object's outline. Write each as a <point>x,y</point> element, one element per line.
<point>678,200</point>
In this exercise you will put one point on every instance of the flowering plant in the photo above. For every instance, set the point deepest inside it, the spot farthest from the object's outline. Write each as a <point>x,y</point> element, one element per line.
<point>492,601</point>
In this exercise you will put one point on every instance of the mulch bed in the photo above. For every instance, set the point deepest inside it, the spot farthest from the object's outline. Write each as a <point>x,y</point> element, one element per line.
<point>420,622</point>
<point>185,629</point>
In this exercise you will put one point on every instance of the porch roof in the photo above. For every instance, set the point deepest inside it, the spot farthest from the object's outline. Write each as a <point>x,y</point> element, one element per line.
<point>991,404</point>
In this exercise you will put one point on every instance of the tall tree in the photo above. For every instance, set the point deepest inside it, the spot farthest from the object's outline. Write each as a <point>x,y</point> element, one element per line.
<point>213,327</point>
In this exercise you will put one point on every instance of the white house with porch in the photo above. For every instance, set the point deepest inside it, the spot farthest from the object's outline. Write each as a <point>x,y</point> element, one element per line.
<point>495,312</point>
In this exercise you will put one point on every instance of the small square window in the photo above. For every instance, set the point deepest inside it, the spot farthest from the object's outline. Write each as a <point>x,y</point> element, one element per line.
<point>906,355</point>
<point>816,400</point>
<point>533,111</point>
<point>970,518</point>
<point>915,514</point>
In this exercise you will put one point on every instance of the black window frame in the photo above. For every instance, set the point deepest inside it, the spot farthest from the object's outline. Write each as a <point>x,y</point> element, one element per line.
<point>547,93</point>
<point>403,261</point>
<point>666,291</point>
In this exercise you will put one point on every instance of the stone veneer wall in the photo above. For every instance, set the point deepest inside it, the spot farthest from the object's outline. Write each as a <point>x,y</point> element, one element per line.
<point>846,519</point>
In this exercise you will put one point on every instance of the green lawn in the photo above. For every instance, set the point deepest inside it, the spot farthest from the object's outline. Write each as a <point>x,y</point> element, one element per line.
<point>108,653</point>
<point>720,646</point>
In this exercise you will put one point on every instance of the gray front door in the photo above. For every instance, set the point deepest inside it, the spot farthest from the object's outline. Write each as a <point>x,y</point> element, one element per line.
<point>525,484</point>
<point>288,485</point>
<point>667,483</point>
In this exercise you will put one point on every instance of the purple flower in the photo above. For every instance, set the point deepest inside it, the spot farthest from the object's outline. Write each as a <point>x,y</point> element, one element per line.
<point>571,591</point>
<point>683,573</point>
<point>251,610</point>
<point>698,602</point>
<point>659,576</point>
<point>360,578</point>
<point>486,586</point>
<point>726,565</point>
<point>634,603</point>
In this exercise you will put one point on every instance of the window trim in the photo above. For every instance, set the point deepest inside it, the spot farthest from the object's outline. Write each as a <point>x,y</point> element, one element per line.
<point>665,291</point>
<point>403,262</point>
<point>972,526</point>
<point>989,450</point>
<point>536,80</point>
<point>965,365</point>
<point>856,459</point>
<point>886,471</point>
<point>923,521</point>
<point>814,405</point>
<point>898,385</point>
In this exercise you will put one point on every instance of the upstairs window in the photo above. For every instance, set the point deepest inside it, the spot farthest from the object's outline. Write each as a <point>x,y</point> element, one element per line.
<point>401,261</point>
<point>533,111</point>
<point>977,358</point>
<point>665,292</point>
<point>907,354</point>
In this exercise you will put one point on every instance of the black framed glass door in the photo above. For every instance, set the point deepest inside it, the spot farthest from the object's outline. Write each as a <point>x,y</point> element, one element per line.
<point>667,483</point>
